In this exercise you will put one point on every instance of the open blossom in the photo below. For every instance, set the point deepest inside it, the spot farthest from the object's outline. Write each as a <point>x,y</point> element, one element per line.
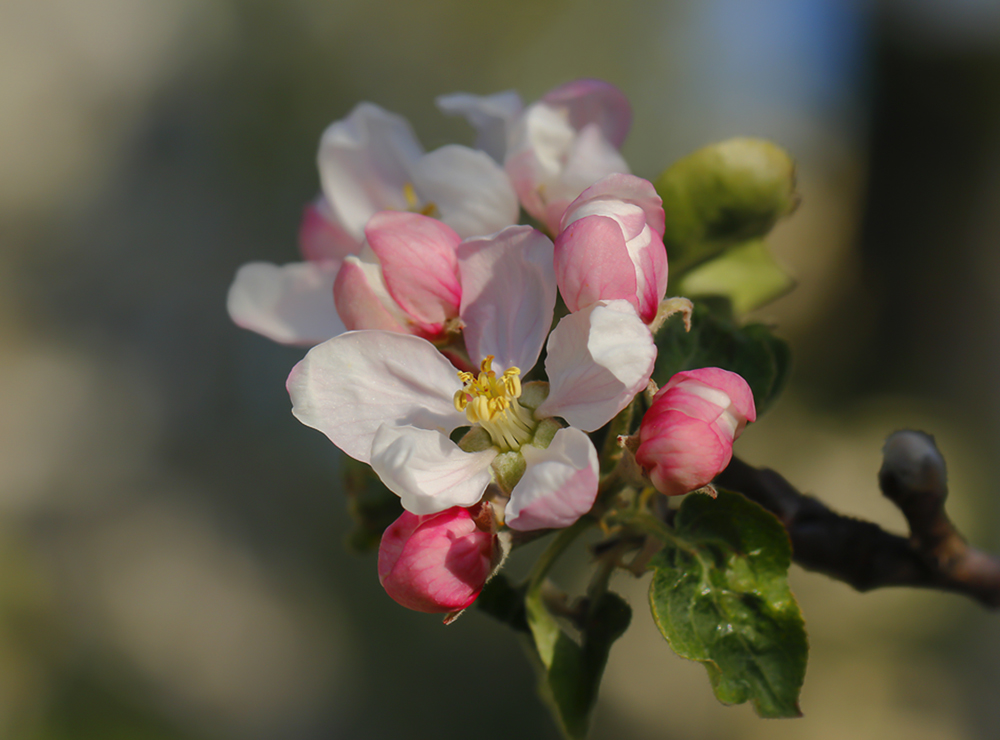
<point>392,400</point>
<point>436,562</point>
<point>610,246</point>
<point>370,161</point>
<point>554,148</point>
<point>686,437</point>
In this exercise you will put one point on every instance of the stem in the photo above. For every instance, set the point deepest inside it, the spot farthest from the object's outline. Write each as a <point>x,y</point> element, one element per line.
<point>556,548</point>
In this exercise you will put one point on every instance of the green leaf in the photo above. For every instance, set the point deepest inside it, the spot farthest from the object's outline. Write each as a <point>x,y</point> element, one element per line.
<point>504,603</point>
<point>570,671</point>
<point>747,275</point>
<point>372,506</point>
<point>717,340</point>
<point>723,195</point>
<point>720,596</point>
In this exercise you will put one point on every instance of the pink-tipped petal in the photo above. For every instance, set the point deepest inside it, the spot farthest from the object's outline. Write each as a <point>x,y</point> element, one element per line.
<point>592,263</point>
<point>290,304</point>
<point>490,115</point>
<point>508,296</point>
<point>351,385</point>
<point>419,265</point>
<point>428,471</point>
<point>361,299</point>
<point>559,484</point>
<point>437,563</point>
<point>594,101</point>
<point>321,237</point>
<point>364,164</point>
<point>471,192</point>
<point>597,360</point>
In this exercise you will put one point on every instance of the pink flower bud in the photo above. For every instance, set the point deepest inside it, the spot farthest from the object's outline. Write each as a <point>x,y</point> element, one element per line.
<point>437,562</point>
<point>611,246</point>
<point>686,437</point>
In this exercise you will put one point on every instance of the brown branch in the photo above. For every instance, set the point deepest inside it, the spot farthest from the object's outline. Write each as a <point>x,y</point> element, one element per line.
<point>861,553</point>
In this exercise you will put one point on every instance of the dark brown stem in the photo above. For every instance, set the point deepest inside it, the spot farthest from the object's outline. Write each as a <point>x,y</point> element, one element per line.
<point>861,553</point>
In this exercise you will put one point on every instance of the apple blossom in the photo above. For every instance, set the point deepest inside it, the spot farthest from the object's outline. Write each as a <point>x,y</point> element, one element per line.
<point>610,245</point>
<point>392,400</point>
<point>686,437</point>
<point>438,562</point>
<point>554,148</point>
<point>369,162</point>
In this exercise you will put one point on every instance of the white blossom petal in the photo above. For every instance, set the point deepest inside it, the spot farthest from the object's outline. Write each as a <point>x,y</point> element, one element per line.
<point>291,304</point>
<point>365,161</point>
<point>597,360</point>
<point>351,385</point>
<point>559,484</point>
<point>428,471</point>
<point>508,296</point>
<point>471,191</point>
<point>491,115</point>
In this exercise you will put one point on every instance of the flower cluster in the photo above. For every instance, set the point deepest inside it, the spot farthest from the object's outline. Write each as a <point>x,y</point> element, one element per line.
<point>429,307</point>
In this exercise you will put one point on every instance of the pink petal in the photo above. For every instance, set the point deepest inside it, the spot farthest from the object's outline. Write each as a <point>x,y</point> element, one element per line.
<point>558,486</point>
<point>362,300</point>
<point>321,237</point>
<point>632,189</point>
<point>472,193</point>
<point>594,101</point>
<point>364,164</point>
<point>351,385</point>
<point>419,265</point>
<point>592,263</point>
<point>508,296</point>
<point>437,563</point>
<point>291,304</point>
<point>684,454</point>
<point>597,360</point>
<point>428,471</point>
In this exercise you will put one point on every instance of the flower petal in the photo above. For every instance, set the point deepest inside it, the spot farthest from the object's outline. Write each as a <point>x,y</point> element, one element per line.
<point>491,115</point>
<point>592,263</point>
<point>559,484</point>
<point>321,237</point>
<point>419,265</point>
<point>594,101</point>
<point>428,471</point>
<point>291,304</point>
<point>508,296</point>
<point>351,385</point>
<point>597,360</point>
<point>472,192</point>
<point>364,164</point>
<point>362,300</point>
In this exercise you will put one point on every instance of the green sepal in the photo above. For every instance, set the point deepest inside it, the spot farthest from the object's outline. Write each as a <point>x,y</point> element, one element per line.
<point>747,275</point>
<point>720,596</point>
<point>717,340</point>
<point>722,195</point>
<point>372,506</point>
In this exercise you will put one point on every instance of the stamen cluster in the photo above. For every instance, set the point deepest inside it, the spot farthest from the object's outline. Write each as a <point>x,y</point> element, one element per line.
<point>491,402</point>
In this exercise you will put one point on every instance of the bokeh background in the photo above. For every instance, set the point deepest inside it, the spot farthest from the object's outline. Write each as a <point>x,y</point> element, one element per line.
<point>171,539</point>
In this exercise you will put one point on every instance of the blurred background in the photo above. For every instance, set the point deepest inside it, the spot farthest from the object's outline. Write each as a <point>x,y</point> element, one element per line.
<point>171,539</point>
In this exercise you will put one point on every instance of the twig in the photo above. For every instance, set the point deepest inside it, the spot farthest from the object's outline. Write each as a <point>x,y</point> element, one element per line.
<point>861,553</point>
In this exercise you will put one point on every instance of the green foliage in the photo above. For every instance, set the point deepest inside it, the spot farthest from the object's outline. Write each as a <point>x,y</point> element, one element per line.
<point>720,596</point>
<point>746,274</point>
<point>570,671</point>
<point>723,195</point>
<point>717,340</point>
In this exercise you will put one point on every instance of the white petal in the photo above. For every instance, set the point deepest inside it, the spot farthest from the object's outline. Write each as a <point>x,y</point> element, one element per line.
<point>351,385</point>
<point>471,191</point>
<point>559,485</point>
<point>508,296</point>
<point>428,471</point>
<point>491,115</point>
<point>598,359</point>
<point>364,163</point>
<point>291,304</point>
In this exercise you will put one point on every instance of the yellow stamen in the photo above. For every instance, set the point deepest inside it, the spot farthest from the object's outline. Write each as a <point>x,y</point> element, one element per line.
<point>413,202</point>
<point>491,402</point>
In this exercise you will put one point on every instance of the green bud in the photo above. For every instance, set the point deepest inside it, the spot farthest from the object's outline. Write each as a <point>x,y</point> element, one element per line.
<point>724,194</point>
